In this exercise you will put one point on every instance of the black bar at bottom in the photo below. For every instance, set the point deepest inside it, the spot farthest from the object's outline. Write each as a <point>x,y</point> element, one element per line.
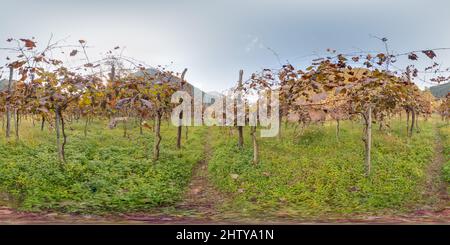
<point>206,234</point>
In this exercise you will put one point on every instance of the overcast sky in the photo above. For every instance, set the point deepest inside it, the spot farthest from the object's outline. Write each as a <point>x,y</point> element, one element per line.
<point>214,39</point>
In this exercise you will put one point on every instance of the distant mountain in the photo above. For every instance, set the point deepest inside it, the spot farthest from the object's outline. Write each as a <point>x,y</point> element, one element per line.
<point>441,90</point>
<point>175,80</point>
<point>3,84</point>
<point>188,87</point>
<point>153,72</point>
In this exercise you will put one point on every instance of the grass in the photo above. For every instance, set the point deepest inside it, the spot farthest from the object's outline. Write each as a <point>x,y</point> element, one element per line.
<point>105,172</point>
<point>314,174</point>
<point>306,176</point>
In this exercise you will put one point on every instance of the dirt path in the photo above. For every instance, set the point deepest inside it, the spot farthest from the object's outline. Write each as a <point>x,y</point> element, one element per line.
<point>436,209</point>
<point>202,197</point>
<point>436,187</point>
<point>198,206</point>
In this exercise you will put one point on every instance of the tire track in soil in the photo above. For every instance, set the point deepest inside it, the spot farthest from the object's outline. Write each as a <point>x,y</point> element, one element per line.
<point>200,201</point>
<point>201,197</point>
<point>435,191</point>
<point>437,201</point>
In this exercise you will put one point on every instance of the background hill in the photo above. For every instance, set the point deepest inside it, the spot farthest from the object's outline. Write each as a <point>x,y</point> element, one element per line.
<point>3,84</point>
<point>441,90</point>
